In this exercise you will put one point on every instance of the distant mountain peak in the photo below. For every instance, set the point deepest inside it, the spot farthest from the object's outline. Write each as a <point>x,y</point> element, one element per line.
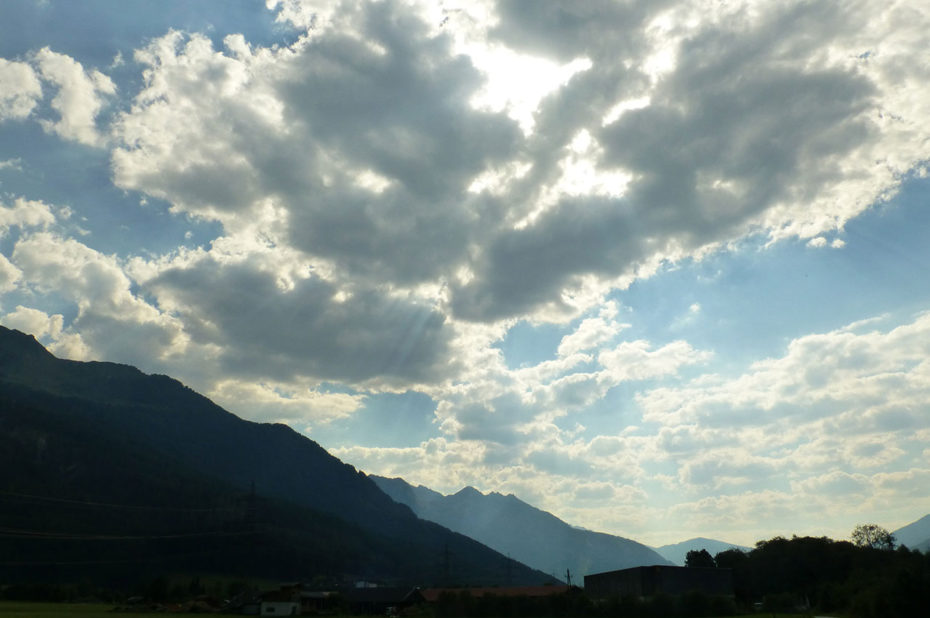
<point>915,535</point>
<point>677,552</point>
<point>522,531</point>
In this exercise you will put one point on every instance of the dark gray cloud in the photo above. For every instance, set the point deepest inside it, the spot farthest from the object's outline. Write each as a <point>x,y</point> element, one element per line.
<point>523,269</point>
<point>404,115</point>
<point>264,331</point>
<point>735,130</point>
<point>563,29</point>
<point>388,103</point>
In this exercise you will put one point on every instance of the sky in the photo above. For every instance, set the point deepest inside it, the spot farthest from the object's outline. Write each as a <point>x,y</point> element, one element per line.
<point>659,268</point>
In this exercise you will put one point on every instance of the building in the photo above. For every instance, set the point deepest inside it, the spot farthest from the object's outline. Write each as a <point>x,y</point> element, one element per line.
<point>282,602</point>
<point>648,581</point>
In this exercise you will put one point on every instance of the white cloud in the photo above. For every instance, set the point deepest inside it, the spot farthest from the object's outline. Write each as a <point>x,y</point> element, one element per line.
<point>591,333</point>
<point>35,322</point>
<point>305,14</point>
<point>25,213</point>
<point>79,99</point>
<point>111,320</point>
<point>282,403</point>
<point>20,90</point>
<point>867,382</point>
<point>634,360</point>
<point>9,274</point>
<point>71,345</point>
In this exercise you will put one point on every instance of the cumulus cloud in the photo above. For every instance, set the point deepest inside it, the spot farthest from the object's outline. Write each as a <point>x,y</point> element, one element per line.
<point>20,90</point>
<point>361,140</point>
<point>365,147</point>
<point>278,403</point>
<point>870,381</point>
<point>81,96</point>
<point>760,122</point>
<point>9,274</point>
<point>35,322</point>
<point>308,328</point>
<point>25,213</point>
<point>111,319</point>
<point>634,360</point>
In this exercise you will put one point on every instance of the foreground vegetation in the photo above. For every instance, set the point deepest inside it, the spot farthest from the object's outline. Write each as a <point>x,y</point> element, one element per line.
<point>10,609</point>
<point>832,577</point>
<point>800,576</point>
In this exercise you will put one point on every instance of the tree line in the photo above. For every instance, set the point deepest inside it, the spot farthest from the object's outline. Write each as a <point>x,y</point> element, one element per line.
<point>866,577</point>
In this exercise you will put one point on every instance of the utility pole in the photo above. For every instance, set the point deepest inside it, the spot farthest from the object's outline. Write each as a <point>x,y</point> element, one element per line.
<point>509,564</point>
<point>446,560</point>
<point>568,577</point>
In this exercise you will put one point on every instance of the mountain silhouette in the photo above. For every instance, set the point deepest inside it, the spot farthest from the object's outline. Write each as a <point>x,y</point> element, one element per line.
<point>677,552</point>
<point>529,535</point>
<point>105,466</point>
<point>915,535</point>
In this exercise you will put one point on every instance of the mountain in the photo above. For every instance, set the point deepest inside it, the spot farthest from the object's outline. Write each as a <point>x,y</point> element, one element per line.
<point>105,467</point>
<point>529,535</point>
<point>915,535</point>
<point>677,552</point>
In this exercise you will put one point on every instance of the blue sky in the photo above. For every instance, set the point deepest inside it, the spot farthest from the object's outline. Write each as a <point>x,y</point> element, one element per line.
<point>658,268</point>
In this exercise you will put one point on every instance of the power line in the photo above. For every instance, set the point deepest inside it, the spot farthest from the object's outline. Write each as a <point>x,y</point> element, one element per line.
<point>133,560</point>
<point>89,503</point>
<point>72,536</point>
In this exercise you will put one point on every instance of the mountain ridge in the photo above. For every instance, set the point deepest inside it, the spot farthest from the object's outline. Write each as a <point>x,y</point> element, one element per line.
<point>159,420</point>
<point>677,552</point>
<point>915,535</point>
<point>513,527</point>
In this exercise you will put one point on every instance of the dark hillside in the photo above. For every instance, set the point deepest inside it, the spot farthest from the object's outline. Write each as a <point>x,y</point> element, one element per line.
<point>75,433</point>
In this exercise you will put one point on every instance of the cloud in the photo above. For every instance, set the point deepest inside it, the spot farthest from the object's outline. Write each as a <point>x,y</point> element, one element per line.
<point>111,320</point>
<point>592,332</point>
<point>20,90</point>
<point>633,360</point>
<point>365,148</point>
<point>278,403</point>
<point>305,327</point>
<point>35,322</point>
<point>761,122</point>
<point>864,381</point>
<point>360,144</point>
<point>9,274</point>
<point>79,99</point>
<point>25,213</point>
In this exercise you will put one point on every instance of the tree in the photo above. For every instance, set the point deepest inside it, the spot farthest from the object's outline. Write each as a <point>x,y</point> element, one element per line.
<point>702,558</point>
<point>870,535</point>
